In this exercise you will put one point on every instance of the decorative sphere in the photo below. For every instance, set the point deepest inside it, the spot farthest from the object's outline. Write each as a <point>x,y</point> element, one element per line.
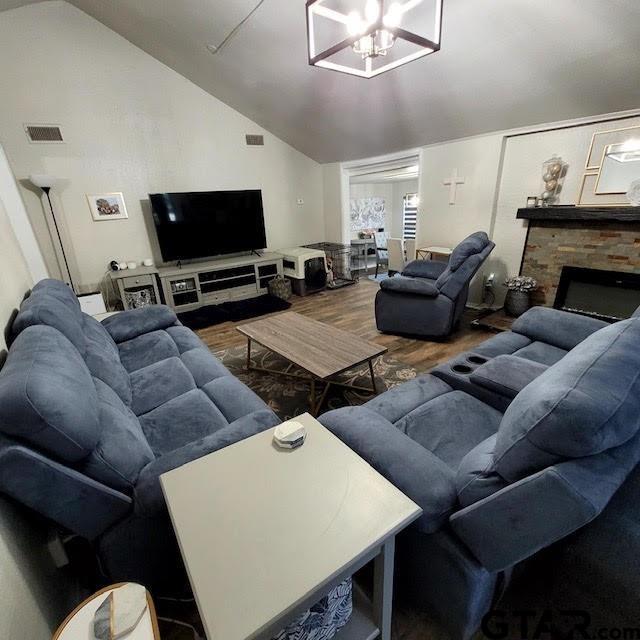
<point>547,177</point>
<point>555,169</point>
<point>550,185</point>
<point>546,195</point>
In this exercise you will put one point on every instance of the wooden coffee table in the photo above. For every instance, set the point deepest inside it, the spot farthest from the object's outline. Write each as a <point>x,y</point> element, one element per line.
<point>320,350</point>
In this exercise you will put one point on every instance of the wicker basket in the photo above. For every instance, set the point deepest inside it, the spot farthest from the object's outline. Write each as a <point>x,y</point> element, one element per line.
<point>280,287</point>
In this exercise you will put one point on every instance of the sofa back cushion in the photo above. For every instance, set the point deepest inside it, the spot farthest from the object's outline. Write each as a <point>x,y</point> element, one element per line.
<point>470,246</point>
<point>57,289</point>
<point>464,262</point>
<point>52,303</point>
<point>585,404</point>
<point>47,395</point>
<point>43,308</point>
<point>102,357</point>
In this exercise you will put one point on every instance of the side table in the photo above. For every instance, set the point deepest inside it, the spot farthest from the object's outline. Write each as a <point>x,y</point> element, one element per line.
<point>78,625</point>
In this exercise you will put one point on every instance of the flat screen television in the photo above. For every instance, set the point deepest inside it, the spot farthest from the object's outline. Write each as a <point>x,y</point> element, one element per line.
<point>202,224</point>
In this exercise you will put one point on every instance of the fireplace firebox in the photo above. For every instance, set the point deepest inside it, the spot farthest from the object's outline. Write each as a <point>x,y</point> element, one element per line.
<point>607,295</point>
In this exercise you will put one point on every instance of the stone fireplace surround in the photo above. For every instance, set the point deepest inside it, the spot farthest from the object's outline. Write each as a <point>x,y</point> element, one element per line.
<point>605,238</point>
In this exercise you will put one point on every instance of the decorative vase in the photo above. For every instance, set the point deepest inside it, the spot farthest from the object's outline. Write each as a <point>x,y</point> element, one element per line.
<point>517,302</point>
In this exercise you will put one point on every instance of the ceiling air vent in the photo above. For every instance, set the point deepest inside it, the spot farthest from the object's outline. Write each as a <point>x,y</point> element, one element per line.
<point>254,140</point>
<point>43,133</point>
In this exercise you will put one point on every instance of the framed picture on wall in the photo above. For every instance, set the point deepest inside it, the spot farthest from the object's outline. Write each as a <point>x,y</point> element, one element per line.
<point>107,206</point>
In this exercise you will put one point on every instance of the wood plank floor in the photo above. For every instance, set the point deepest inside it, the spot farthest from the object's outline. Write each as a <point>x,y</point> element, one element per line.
<point>351,309</point>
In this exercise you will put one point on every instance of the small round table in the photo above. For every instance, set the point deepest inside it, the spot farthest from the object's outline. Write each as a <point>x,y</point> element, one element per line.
<point>78,625</point>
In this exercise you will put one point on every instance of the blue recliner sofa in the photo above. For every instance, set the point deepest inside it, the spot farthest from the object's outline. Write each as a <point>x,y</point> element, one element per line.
<point>92,414</point>
<point>507,449</point>
<point>427,299</point>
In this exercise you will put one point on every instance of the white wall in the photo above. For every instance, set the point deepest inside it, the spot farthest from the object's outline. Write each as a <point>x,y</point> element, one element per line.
<point>133,125</point>
<point>31,592</point>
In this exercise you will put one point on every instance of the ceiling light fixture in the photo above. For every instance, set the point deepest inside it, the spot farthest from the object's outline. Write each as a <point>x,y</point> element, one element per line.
<point>382,35</point>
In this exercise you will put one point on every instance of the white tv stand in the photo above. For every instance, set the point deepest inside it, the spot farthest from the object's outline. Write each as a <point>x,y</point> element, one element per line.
<point>201,283</point>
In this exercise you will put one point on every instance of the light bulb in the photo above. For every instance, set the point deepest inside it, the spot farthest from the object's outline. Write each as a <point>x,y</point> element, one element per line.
<point>354,23</point>
<point>386,40</point>
<point>393,15</point>
<point>372,11</point>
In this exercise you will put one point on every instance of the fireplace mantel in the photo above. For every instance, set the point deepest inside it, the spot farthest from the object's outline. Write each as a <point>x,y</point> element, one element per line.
<point>571,213</point>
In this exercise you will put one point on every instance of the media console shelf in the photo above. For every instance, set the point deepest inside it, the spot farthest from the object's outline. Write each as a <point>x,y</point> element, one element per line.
<point>215,281</point>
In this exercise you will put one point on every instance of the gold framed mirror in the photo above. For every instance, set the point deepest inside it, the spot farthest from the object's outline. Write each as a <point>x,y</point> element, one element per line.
<point>612,164</point>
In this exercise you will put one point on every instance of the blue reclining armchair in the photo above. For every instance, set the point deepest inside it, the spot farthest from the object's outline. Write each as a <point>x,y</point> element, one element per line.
<point>428,298</point>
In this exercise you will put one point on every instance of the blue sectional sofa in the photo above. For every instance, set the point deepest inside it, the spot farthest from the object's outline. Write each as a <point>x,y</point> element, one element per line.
<point>509,449</point>
<point>92,413</point>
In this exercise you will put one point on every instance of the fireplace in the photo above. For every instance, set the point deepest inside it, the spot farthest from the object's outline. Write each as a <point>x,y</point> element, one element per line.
<point>590,239</point>
<point>607,295</point>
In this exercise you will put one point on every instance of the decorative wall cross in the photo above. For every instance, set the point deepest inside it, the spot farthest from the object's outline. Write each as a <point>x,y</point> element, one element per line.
<point>453,183</point>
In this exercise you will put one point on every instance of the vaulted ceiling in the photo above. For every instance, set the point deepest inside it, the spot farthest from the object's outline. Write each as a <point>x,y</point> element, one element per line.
<point>503,64</point>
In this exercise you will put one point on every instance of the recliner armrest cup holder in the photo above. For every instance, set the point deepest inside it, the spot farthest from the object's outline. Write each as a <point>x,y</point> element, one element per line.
<point>457,373</point>
<point>462,369</point>
<point>467,366</point>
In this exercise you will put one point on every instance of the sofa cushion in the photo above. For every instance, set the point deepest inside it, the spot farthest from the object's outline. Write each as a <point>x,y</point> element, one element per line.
<point>450,425</point>
<point>59,290</point>
<point>396,403</point>
<point>555,327</point>
<point>158,383</point>
<point>542,353</point>
<point>470,246</point>
<point>232,398</point>
<point>138,322</point>
<point>507,375</point>
<point>418,286</point>
<point>146,349</point>
<point>103,358</point>
<point>122,450</point>
<point>585,404</point>
<point>185,339</point>
<point>203,366</point>
<point>424,269</point>
<point>41,308</point>
<point>191,416</point>
<point>503,343</point>
<point>47,395</point>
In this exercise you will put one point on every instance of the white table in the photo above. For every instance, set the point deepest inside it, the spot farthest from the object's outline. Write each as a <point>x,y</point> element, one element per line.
<point>266,533</point>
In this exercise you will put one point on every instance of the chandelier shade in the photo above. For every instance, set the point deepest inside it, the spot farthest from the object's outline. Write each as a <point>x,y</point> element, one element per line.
<point>366,38</point>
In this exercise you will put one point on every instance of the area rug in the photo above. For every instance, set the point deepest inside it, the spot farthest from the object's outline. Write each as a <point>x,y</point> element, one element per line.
<point>289,397</point>
<point>234,311</point>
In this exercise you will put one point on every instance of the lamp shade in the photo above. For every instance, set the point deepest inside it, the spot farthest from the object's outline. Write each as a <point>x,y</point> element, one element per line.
<point>43,181</point>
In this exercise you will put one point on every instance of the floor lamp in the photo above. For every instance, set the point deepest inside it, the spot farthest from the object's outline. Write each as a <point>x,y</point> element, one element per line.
<point>46,183</point>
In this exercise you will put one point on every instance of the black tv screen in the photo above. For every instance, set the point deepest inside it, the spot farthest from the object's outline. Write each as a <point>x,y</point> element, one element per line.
<point>208,223</point>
